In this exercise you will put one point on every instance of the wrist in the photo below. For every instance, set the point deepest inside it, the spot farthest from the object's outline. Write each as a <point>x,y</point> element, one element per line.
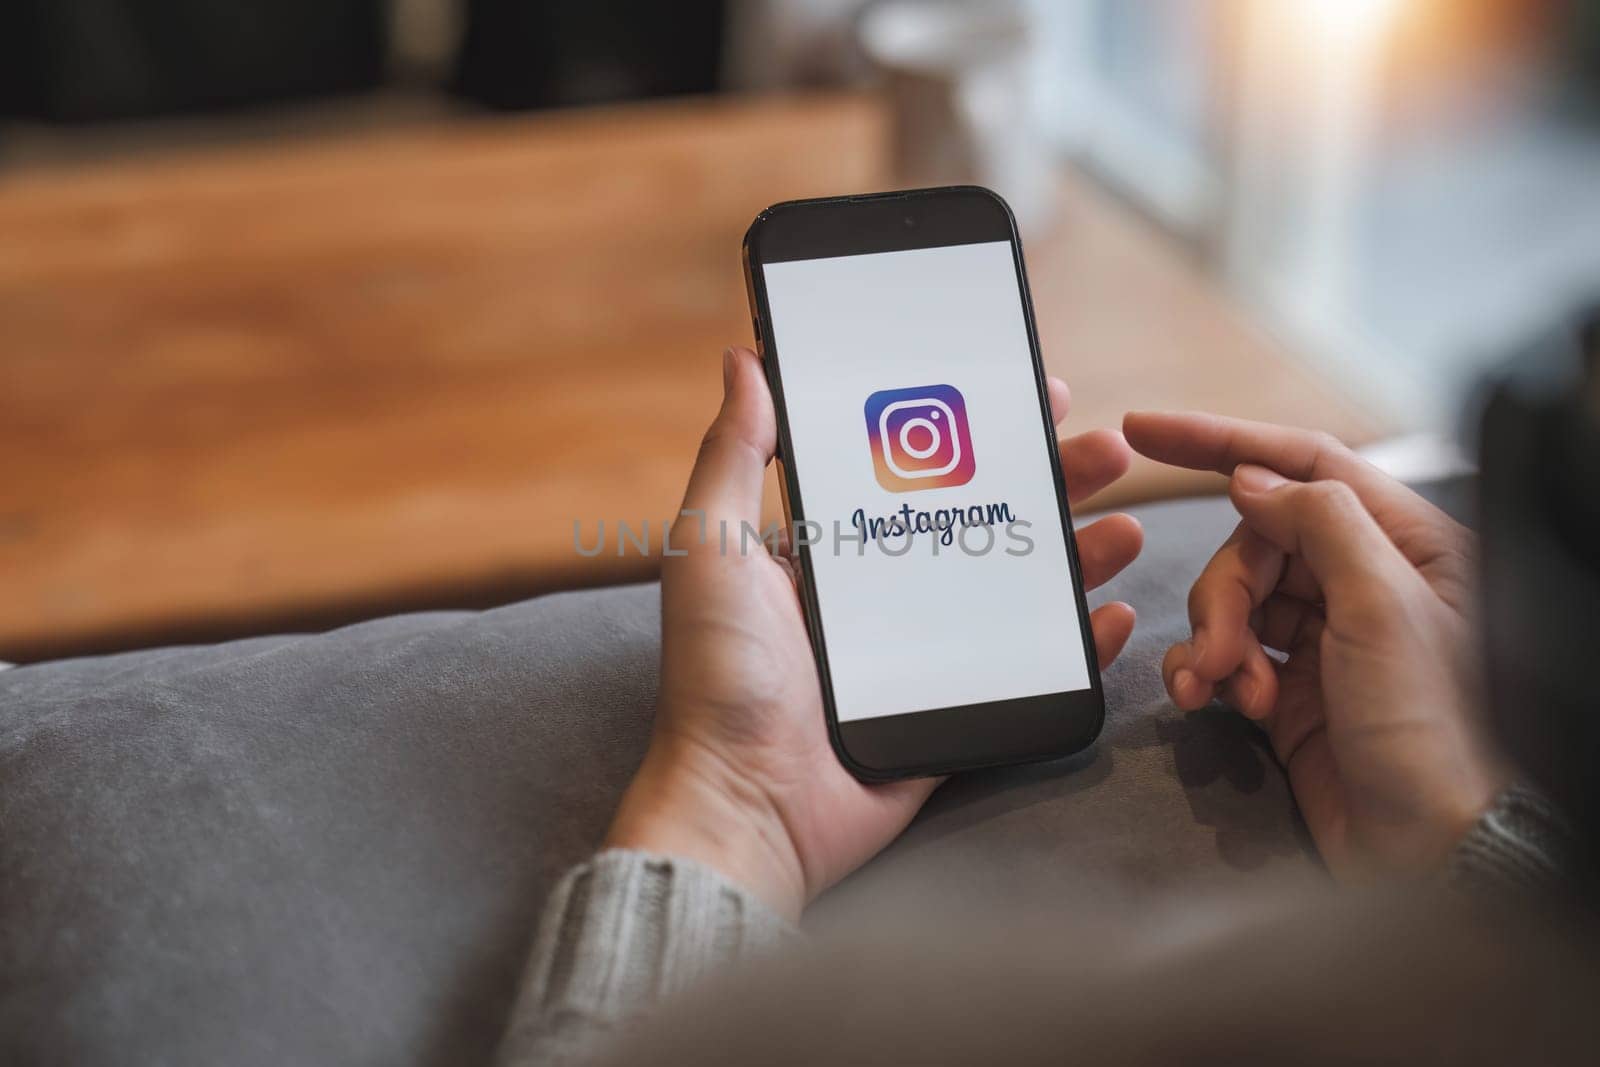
<point>688,803</point>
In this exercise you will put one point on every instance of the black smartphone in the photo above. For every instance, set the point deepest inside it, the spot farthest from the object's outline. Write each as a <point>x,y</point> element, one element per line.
<point>921,482</point>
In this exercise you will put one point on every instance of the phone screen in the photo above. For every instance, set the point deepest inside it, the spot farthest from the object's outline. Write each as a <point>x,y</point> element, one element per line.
<point>938,552</point>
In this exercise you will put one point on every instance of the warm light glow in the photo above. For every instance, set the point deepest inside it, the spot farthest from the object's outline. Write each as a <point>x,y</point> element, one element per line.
<point>1348,19</point>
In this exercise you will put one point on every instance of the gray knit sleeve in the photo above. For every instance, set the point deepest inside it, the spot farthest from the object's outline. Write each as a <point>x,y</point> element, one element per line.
<point>619,934</point>
<point>1522,843</point>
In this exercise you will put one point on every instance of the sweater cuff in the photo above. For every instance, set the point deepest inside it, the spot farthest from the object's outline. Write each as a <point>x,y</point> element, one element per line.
<point>1521,844</point>
<point>622,933</point>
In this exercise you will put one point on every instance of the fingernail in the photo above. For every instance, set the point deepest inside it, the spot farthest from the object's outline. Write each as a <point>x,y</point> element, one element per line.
<point>1182,679</point>
<point>727,369</point>
<point>1197,646</point>
<point>1253,479</point>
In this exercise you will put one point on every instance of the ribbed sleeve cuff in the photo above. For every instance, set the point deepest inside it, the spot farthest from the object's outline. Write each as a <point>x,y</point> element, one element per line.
<point>1522,844</point>
<point>621,933</point>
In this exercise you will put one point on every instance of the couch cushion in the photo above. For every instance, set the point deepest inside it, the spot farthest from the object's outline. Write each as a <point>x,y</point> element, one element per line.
<point>333,848</point>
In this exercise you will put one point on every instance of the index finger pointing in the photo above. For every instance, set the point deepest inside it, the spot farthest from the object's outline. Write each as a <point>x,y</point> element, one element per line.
<point>1218,443</point>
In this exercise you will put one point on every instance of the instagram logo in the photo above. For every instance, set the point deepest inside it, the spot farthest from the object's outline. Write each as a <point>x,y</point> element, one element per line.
<point>920,438</point>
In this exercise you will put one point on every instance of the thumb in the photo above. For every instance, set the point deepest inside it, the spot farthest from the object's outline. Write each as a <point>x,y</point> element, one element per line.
<point>728,473</point>
<point>1326,525</point>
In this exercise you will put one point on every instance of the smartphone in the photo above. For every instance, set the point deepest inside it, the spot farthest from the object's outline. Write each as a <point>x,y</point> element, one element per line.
<point>920,479</point>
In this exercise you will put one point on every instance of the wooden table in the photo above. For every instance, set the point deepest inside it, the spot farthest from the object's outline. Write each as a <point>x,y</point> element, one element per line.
<point>285,387</point>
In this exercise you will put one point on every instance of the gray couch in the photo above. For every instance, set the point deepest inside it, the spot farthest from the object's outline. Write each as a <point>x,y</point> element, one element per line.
<point>333,848</point>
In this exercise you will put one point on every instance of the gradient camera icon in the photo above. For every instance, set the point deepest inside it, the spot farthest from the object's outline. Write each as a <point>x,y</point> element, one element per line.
<point>919,438</point>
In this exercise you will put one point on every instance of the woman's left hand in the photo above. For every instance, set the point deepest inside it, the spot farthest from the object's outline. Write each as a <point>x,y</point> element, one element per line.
<point>740,774</point>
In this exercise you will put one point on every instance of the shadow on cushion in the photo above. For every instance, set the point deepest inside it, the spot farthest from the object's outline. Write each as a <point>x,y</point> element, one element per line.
<point>333,849</point>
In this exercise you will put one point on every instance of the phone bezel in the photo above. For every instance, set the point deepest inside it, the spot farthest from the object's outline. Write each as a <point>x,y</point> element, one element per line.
<point>938,740</point>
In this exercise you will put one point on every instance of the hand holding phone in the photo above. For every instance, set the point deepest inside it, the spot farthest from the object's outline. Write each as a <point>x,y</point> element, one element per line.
<point>938,566</point>
<point>740,774</point>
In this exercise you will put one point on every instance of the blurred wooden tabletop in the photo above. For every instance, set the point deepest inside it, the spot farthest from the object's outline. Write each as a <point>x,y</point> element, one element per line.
<point>290,386</point>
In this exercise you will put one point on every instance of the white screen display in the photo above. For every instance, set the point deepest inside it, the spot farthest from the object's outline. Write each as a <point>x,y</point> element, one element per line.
<point>912,403</point>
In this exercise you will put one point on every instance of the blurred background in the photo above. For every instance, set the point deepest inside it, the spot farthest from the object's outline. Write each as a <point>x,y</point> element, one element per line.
<point>316,309</point>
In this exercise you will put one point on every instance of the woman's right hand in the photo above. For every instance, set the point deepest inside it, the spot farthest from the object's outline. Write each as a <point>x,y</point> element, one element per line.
<point>1366,587</point>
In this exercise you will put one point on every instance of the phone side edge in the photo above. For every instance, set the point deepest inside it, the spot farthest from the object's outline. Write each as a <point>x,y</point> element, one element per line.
<point>761,320</point>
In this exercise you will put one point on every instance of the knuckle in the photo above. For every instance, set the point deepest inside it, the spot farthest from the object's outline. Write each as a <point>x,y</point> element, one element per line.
<point>691,536</point>
<point>1328,500</point>
<point>684,534</point>
<point>713,439</point>
<point>727,438</point>
<point>1369,611</point>
<point>1322,447</point>
<point>1326,444</point>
